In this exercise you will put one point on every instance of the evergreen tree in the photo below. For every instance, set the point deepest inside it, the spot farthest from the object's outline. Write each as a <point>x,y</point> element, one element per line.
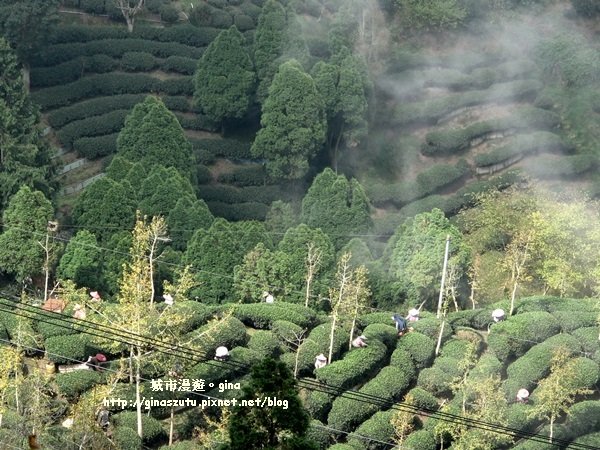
<point>81,260</point>
<point>418,253</point>
<point>293,123</point>
<point>268,41</point>
<point>25,222</point>
<point>162,189</point>
<point>338,206</point>
<point>24,158</point>
<point>270,427</point>
<point>27,23</point>
<point>152,135</point>
<point>187,216</point>
<point>225,77</point>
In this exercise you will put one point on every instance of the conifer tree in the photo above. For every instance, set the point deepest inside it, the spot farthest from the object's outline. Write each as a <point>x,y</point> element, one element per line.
<point>81,260</point>
<point>293,123</point>
<point>225,77</point>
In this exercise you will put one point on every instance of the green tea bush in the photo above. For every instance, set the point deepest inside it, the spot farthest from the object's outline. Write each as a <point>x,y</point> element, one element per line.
<point>318,435</point>
<point>423,399</point>
<point>73,384</point>
<point>440,175</point>
<point>69,349</point>
<point>421,440</point>
<point>421,348</point>
<point>454,348</point>
<point>94,107</point>
<point>587,372</point>
<point>94,86</point>
<point>389,385</point>
<point>377,317</point>
<point>262,315</point>
<point>432,110</point>
<point>125,437</point>
<point>384,333</point>
<point>567,166</point>
<point>572,320</point>
<point>243,22</point>
<point>93,6</point>
<point>203,174</point>
<point>138,62</point>
<point>180,64</point>
<point>169,13</point>
<point>341,447</point>
<point>71,70</point>
<point>231,194</point>
<point>522,145</point>
<point>96,146</point>
<point>515,335</point>
<point>591,440</point>
<point>534,365</point>
<point>378,427</point>
<point>255,175</point>
<point>519,417</point>
<point>115,48</point>
<point>239,211</point>
<point>152,428</point>
<point>183,85</point>
<point>487,366</point>
<point>356,365</point>
<point>50,326</point>
<point>588,338</point>
<point>111,122</point>
<point>195,314</point>
<point>431,326</point>
<point>317,343</point>
<point>318,404</point>
<point>454,140</point>
<point>286,331</point>
<point>439,378</point>
<point>226,148</point>
<point>583,418</point>
<point>228,333</point>
<point>250,9</point>
<point>265,342</point>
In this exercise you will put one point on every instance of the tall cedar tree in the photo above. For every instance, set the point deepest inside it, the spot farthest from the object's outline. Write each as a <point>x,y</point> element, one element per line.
<point>268,42</point>
<point>270,427</point>
<point>152,135</point>
<point>81,260</point>
<point>293,123</point>
<point>24,159</point>
<point>25,221</point>
<point>417,256</point>
<point>26,24</point>
<point>338,206</point>
<point>225,77</point>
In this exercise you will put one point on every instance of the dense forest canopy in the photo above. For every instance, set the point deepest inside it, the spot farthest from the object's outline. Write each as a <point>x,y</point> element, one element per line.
<point>248,193</point>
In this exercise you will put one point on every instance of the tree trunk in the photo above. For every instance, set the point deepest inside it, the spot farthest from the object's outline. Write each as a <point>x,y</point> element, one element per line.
<point>171,426</point>
<point>129,23</point>
<point>512,297</point>
<point>551,429</point>
<point>352,332</point>
<point>138,399</point>
<point>439,340</point>
<point>26,77</point>
<point>335,314</point>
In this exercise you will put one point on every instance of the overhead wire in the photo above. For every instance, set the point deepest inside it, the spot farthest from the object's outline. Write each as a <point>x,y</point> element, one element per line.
<point>381,402</point>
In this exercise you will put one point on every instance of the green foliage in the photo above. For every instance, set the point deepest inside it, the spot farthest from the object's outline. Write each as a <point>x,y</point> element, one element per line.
<point>384,333</point>
<point>179,64</point>
<point>169,13</point>
<point>431,14</point>
<point>439,378</point>
<point>127,438</point>
<point>514,336</point>
<point>454,140</point>
<point>586,8</point>
<point>318,404</point>
<point>293,123</point>
<point>70,348</point>
<point>356,365</point>
<point>110,122</point>
<point>54,326</point>
<point>265,343</point>
<point>420,348</point>
<point>72,70</point>
<point>318,342</point>
<point>522,145</point>
<point>152,135</point>
<point>534,365</point>
<point>115,48</point>
<point>432,110</point>
<point>226,148</point>
<point>228,333</point>
<point>73,384</point>
<point>96,146</point>
<point>584,417</point>
<point>177,86</point>
<point>225,78</point>
<point>338,206</point>
<point>152,428</point>
<point>184,218</point>
<point>421,440</point>
<point>25,221</point>
<point>232,194</point>
<point>251,175</point>
<point>81,260</point>
<point>137,62</point>
<point>389,384</point>
<point>423,399</point>
<point>94,107</point>
<point>253,428</point>
<point>263,315</point>
<point>249,211</point>
<point>567,166</point>
<point>194,313</point>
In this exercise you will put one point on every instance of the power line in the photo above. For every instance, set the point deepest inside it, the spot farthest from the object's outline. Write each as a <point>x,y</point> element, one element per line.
<point>381,402</point>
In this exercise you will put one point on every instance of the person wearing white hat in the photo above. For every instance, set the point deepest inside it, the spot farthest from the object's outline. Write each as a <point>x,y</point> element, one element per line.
<point>95,296</point>
<point>360,341</point>
<point>268,297</point>
<point>413,315</point>
<point>320,361</point>
<point>221,353</point>
<point>498,315</point>
<point>522,395</point>
<point>168,299</point>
